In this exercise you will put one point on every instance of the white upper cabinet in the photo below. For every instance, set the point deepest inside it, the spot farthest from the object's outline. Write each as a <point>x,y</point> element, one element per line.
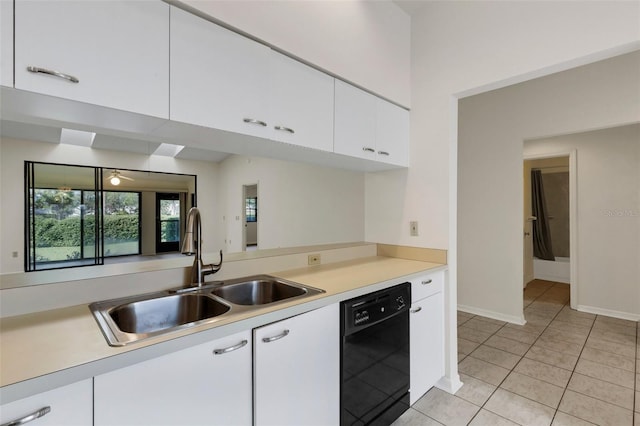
<point>70,405</point>
<point>6,43</point>
<point>369,127</point>
<point>301,104</point>
<point>107,53</point>
<point>207,384</point>
<point>392,133</point>
<point>355,122</point>
<point>219,79</point>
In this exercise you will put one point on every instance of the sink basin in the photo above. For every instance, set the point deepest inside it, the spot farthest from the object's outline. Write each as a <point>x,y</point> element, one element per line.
<point>134,318</point>
<point>148,316</point>
<point>261,290</point>
<point>131,319</point>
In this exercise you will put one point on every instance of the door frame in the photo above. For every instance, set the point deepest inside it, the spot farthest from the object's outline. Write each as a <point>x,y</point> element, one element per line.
<point>172,246</point>
<point>573,216</point>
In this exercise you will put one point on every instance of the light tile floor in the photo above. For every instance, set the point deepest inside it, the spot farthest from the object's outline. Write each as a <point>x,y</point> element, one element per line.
<point>563,368</point>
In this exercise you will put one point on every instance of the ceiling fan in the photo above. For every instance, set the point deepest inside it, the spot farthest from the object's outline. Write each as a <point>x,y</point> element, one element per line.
<point>116,176</point>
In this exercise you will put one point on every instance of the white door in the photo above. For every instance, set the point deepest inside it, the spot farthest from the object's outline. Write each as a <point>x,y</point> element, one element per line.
<point>108,53</point>
<point>355,122</point>
<point>70,405</point>
<point>297,370</point>
<point>301,104</point>
<point>219,79</point>
<point>392,133</point>
<point>427,344</point>
<point>205,384</point>
<point>6,43</point>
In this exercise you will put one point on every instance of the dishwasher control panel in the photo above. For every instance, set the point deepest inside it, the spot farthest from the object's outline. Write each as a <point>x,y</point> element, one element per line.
<point>372,308</point>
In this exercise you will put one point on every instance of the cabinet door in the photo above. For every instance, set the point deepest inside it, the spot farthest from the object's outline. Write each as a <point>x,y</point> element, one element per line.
<point>195,386</point>
<point>117,50</point>
<point>69,405</point>
<point>219,79</point>
<point>392,133</point>
<point>297,370</point>
<point>427,344</point>
<point>6,43</point>
<point>301,104</point>
<point>355,122</point>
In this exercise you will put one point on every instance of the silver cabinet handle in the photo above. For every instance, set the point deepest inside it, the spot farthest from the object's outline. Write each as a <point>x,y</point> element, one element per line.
<point>367,149</point>
<point>284,129</point>
<point>29,417</point>
<point>278,337</point>
<point>230,348</point>
<point>425,282</point>
<point>416,310</point>
<point>383,153</point>
<point>254,121</point>
<point>53,73</point>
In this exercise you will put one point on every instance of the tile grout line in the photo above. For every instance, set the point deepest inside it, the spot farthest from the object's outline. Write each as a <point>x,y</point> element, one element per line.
<point>521,358</point>
<point>565,388</point>
<point>584,345</point>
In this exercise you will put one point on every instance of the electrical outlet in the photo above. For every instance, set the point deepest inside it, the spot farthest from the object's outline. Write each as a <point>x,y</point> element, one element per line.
<point>314,259</point>
<point>413,228</point>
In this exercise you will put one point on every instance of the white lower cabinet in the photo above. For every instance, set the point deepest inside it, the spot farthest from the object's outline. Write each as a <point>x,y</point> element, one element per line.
<point>69,405</point>
<point>426,322</point>
<point>297,370</point>
<point>208,384</point>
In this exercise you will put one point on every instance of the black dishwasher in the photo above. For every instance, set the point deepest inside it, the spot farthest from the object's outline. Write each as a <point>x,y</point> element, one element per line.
<point>374,387</point>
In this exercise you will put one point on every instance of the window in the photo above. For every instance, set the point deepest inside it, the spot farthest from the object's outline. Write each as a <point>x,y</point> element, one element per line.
<point>64,222</point>
<point>76,215</point>
<point>251,209</point>
<point>121,223</point>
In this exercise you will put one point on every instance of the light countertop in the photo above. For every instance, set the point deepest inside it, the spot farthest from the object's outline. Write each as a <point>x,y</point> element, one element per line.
<point>44,350</point>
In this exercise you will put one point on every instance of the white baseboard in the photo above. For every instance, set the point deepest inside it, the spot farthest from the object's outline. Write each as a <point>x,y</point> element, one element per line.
<point>494,315</point>
<point>609,313</point>
<point>555,278</point>
<point>449,385</point>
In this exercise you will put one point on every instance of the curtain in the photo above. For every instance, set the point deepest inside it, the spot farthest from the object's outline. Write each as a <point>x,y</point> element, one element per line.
<point>541,233</point>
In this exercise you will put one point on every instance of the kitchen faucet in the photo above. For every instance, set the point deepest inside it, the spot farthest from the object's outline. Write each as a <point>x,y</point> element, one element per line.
<point>192,244</point>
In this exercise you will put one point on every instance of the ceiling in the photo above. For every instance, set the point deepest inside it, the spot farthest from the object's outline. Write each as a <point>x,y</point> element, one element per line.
<point>17,130</point>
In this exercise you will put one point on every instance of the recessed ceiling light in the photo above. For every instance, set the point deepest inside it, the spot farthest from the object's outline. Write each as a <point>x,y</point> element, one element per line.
<point>77,137</point>
<point>168,150</point>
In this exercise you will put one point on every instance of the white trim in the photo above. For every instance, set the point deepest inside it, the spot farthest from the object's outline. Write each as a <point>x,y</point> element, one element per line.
<point>573,216</point>
<point>451,385</point>
<point>609,313</point>
<point>545,71</point>
<point>451,275</point>
<point>492,314</point>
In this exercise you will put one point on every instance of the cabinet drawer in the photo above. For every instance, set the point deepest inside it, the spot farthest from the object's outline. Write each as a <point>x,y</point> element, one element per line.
<point>427,285</point>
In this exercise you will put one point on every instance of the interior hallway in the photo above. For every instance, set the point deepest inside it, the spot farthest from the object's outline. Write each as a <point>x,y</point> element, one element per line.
<point>563,368</point>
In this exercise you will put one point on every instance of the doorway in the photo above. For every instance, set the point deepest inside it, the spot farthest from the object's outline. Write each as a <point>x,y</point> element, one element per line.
<point>550,219</point>
<point>250,217</point>
<point>167,222</point>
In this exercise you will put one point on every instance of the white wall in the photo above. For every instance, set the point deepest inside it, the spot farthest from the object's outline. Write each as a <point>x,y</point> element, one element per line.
<point>299,204</point>
<point>608,196</point>
<point>492,129</point>
<point>365,42</point>
<point>13,154</point>
<point>462,46</point>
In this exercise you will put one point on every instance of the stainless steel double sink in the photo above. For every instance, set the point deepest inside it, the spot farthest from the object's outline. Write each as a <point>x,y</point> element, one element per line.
<point>131,319</point>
